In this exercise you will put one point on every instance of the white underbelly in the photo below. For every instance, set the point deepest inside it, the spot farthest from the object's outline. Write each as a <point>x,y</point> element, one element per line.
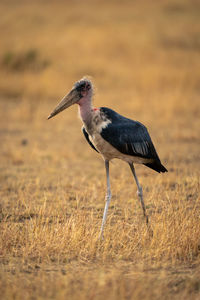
<point>109,152</point>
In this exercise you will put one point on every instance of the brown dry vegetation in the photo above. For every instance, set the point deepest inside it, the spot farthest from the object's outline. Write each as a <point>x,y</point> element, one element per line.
<point>144,57</point>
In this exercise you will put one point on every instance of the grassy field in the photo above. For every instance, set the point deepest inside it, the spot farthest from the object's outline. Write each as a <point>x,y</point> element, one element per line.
<point>144,60</point>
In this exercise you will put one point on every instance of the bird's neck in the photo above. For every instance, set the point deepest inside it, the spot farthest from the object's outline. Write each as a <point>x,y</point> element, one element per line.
<point>85,109</point>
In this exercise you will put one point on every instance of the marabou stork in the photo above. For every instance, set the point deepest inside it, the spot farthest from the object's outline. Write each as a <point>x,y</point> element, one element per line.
<point>113,136</point>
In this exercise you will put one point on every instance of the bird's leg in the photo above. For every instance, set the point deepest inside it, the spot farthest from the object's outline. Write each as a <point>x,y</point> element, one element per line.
<point>140,193</point>
<point>108,198</point>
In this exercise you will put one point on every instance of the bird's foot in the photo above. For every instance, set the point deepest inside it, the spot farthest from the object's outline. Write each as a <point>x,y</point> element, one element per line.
<point>148,225</point>
<point>101,236</point>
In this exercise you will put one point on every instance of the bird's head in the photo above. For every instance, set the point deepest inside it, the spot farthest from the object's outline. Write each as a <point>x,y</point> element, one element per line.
<point>80,91</point>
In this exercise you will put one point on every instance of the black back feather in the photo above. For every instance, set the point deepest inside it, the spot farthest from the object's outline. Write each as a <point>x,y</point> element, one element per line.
<point>131,138</point>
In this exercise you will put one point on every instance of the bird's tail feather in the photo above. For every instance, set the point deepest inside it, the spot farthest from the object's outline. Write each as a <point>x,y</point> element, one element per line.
<point>157,166</point>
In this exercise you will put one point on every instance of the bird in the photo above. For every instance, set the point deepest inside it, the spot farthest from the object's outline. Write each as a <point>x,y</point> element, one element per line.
<point>113,136</point>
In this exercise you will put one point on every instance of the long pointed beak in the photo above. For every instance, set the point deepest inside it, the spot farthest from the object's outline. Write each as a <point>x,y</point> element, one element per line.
<point>66,102</point>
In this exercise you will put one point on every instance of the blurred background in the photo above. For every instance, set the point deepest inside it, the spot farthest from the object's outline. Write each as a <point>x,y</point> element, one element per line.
<point>143,56</point>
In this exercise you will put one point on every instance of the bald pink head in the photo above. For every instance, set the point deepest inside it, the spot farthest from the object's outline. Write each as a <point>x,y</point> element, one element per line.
<point>85,89</point>
<point>81,94</point>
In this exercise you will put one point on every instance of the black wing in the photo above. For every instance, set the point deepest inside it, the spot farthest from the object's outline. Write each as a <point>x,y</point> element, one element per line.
<point>86,135</point>
<point>131,138</point>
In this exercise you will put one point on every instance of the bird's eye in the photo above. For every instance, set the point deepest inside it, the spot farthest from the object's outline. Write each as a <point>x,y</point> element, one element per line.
<point>80,87</point>
<point>84,87</point>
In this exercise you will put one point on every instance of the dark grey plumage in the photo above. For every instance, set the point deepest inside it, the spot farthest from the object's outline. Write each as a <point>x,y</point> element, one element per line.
<point>86,135</point>
<point>128,137</point>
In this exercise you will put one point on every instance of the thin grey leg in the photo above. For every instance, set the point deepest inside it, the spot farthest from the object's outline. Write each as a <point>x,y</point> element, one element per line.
<point>108,198</point>
<point>140,193</point>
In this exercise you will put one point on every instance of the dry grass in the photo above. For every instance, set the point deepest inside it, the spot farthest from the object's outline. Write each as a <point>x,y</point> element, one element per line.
<point>144,58</point>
